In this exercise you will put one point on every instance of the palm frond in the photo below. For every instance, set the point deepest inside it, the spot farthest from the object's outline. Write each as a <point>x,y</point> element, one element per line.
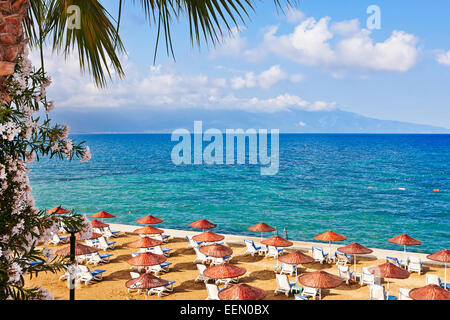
<point>96,41</point>
<point>207,19</point>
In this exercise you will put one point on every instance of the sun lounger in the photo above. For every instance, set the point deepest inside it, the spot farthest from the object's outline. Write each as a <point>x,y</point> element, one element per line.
<point>156,269</point>
<point>85,275</point>
<point>377,292</point>
<point>345,273</point>
<point>300,297</point>
<point>201,257</point>
<point>318,254</point>
<point>369,278</point>
<point>434,279</point>
<point>227,281</point>
<point>201,268</point>
<point>162,237</point>
<point>273,252</point>
<point>288,268</point>
<point>96,258</point>
<point>56,239</point>
<point>213,291</point>
<point>66,275</point>
<point>192,242</point>
<point>342,258</point>
<point>414,264</point>
<point>283,284</point>
<point>159,250</point>
<point>251,248</point>
<point>108,233</point>
<point>91,242</point>
<point>215,261</point>
<point>395,261</point>
<point>312,292</point>
<point>104,245</point>
<point>403,294</point>
<point>160,290</point>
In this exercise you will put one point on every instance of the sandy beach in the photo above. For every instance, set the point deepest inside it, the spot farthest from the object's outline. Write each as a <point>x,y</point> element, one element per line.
<point>259,271</point>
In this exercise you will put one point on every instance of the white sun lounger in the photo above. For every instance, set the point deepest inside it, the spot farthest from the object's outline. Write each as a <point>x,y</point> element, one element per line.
<point>251,248</point>
<point>403,294</point>
<point>201,268</point>
<point>213,291</point>
<point>104,245</point>
<point>283,284</point>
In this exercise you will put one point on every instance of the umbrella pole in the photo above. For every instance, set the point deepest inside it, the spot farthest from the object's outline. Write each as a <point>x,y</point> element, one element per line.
<point>404,254</point>
<point>72,261</point>
<point>445,276</point>
<point>354,263</point>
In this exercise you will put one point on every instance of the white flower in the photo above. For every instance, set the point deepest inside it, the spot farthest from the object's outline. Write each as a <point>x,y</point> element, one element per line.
<point>14,272</point>
<point>50,106</point>
<point>86,231</point>
<point>44,295</point>
<point>86,155</point>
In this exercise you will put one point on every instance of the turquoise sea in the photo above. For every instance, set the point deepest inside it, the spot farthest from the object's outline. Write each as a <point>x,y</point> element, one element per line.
<point>322,184</point>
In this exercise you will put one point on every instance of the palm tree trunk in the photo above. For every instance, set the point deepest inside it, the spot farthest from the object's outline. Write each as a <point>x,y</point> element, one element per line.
<point>12,42</point>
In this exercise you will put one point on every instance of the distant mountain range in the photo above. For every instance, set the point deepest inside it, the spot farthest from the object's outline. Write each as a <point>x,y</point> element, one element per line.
<point>296,121</point>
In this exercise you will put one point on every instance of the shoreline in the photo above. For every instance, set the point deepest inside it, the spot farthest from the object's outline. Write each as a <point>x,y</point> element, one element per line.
<point>300,245</point>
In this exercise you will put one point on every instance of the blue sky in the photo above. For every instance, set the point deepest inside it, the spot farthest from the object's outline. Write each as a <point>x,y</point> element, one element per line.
<point>319,56</point>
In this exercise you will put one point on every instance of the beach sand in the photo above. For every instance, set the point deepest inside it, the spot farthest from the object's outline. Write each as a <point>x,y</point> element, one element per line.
<point>259,273</point>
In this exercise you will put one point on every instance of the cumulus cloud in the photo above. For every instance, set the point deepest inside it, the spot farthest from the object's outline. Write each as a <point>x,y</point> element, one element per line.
<point>443,58</point>
<point>265,79</point>
<point>162,86</point>
<point>293,15</point>
<point>338,45</point>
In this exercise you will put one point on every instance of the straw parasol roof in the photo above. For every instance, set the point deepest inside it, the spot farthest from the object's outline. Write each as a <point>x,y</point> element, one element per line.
<point>242,291</point>
<point>355,248</point>
<point>57,210</point>
<point>277,241</point>
<point>216,251</point>
<point>149,220</point>
<point>224,271</point>
<point>144,243</point>
<point>146,259</point>
<point>405,240</point>
<point>94,235</point>
<point>148,230</point>
<point>146,281</point>
<point>389,270</point>
<point>261,227</point>
<point>80,249</point>
<point>441,256</point>
<point>296,257</point>
<point>329,236</point>
<point>320,279</point>
<point>208,236</point>
<point>202,224</point>
<point>98,224</point>
<point>102,214</point>
<point>429,292</point>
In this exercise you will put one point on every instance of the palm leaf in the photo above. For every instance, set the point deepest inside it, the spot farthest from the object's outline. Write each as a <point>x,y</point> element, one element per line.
<point>96,41</point>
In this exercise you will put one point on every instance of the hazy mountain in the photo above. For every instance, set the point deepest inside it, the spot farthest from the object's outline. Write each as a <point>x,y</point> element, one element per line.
<point>335,121</point>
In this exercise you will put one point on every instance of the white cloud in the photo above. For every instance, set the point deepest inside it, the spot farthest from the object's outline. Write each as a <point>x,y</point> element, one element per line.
<point>339,45</point>
<point>295,78</point>
<point>293,15</point>
<point>265,79</point>
<point>162,86</point>
<point>443,58</point>
<point>346,27</point>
